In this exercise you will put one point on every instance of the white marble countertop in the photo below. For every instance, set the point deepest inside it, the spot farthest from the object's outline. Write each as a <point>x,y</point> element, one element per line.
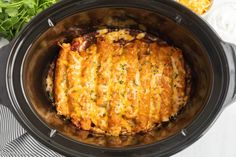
<point>220,139</point>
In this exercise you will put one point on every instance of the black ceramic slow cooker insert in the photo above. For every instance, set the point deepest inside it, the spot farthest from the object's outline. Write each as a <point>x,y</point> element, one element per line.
<point>25,61</point>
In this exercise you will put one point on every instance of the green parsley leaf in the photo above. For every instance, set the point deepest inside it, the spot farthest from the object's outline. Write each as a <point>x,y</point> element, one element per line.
<point>15,14</point>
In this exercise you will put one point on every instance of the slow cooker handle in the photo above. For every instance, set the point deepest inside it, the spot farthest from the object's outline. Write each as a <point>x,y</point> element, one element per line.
<point>4,98</point>
<point>230,50</point>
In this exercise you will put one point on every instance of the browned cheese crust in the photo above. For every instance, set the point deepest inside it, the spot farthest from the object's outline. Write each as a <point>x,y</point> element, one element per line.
<point>116,82</point>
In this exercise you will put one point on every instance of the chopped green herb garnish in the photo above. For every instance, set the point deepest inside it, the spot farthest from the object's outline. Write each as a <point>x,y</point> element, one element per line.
<point>121,82</point>
<point>123,66</point>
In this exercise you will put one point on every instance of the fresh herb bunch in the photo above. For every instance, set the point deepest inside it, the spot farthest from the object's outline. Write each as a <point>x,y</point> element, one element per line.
<point>15,14</point>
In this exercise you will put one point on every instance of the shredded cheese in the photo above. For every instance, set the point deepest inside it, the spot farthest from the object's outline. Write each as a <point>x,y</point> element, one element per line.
<point>198,6</point>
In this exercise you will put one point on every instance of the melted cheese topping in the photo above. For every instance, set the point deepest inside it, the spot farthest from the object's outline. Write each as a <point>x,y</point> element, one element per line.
<point>119,84</point>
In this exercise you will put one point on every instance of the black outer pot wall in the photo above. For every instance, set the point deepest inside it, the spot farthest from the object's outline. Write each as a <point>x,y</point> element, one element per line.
<point>4,98</point>
<point>11,97</point>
